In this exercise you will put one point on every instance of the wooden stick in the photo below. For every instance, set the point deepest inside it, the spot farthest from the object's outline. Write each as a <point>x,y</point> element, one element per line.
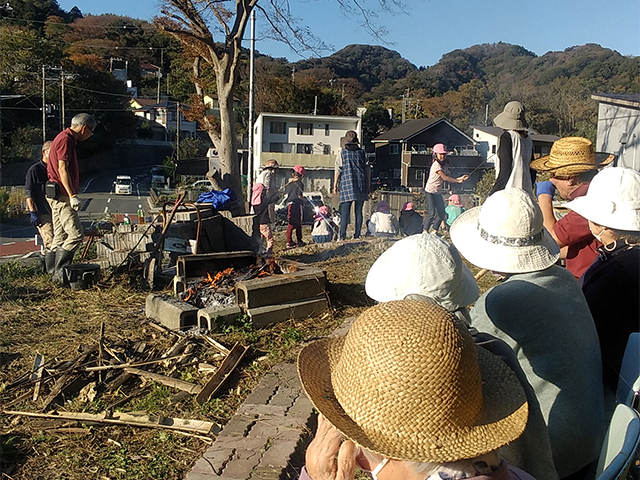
<point>119,418</point>
<point>171,382</point>
<point>127,365</point>
<point>228,365</point>
<point>100,351</point>
<point>163,329</point>
<point>221,348</point>
<point>65,379</point>
<point>176,348</point>
<point>480,274</point>
<point>36,375</point>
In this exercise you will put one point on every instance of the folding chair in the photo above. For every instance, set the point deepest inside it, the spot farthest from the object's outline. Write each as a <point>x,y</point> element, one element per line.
<point>619,449</point>
<point>629,382</point>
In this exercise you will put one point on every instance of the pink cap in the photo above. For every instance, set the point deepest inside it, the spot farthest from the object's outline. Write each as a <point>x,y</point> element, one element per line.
<point>407,206</point>
<point>324,211</point>
<point>300,170</point>
<point>439,148</point>
<point>455,199</point>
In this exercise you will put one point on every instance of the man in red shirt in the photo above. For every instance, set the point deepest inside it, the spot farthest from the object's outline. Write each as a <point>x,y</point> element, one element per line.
<point>572,164</point>
<point>62,168</point>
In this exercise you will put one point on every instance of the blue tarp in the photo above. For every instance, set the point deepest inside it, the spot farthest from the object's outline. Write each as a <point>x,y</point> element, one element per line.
<point>220,200</point>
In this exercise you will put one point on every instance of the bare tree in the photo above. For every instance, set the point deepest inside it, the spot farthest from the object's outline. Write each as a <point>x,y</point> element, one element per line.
<point>220,48</point>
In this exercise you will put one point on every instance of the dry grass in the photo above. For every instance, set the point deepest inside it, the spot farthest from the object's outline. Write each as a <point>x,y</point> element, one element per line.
<point>38,317</point>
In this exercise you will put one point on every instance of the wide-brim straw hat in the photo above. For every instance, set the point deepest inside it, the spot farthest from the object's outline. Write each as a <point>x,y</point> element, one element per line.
<point>273,164</point>
<point>512,117</point>
<point>407,382</point>
<point>422,264</point>
<point>613,199</point>
<point>506,234</point>
<point>570,156</point>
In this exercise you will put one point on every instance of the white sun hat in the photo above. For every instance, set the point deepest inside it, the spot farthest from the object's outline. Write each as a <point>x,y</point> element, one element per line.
<point>422,264</point>
<point>613,199</point>
<point>506,234</point>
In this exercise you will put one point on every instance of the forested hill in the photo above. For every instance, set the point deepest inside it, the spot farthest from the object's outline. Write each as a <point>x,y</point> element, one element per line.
<point>556,87</point>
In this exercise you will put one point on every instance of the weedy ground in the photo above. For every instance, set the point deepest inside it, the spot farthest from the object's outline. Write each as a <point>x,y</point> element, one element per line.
<point>38,317</point>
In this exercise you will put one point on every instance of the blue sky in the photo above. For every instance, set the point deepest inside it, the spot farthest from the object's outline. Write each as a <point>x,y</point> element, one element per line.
<point>435,27</point>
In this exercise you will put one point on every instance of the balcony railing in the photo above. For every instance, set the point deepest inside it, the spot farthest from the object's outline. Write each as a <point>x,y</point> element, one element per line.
<point>304,159</point>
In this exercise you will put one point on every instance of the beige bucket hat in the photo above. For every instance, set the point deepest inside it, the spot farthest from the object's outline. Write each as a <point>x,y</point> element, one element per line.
<point>613,199</point>
<point>422,264</point>
<point>512,117</point>
<point>407,382</point>
<point>506,234</point>
<point>570,156</point>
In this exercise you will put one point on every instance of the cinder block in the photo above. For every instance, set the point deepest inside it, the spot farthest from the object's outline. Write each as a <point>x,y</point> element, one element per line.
<point>208,317</point>
<point>259,292</point>
<point>301,410</point>
<point>171,312</point>
<point>241,468</point>
<point>297,310</point>
<point>263,391</point>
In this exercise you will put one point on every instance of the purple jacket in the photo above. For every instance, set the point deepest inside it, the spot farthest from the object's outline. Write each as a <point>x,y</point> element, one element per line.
<point>505,472</point>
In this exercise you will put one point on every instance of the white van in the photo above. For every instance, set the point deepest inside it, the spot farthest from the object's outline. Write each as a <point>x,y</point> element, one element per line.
<point>123,185</point>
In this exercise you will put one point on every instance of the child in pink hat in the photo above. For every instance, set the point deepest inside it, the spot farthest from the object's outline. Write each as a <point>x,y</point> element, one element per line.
<point>294,191</point>
<point>454,209</point>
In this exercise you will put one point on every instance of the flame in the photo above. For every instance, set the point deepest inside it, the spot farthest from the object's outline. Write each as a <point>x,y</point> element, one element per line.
<point>190,294</point>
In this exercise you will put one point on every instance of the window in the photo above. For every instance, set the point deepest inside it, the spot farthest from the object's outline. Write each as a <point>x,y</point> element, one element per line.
<point>306,148</point>
<point>419,174</point>
<point>384,175</point>
<point>326,129</point>
<point>419,148</point>
<point>493,148</point>
<point>397,173</point>
<point>393,149</point>
<point>305,128</point>
<point>279,147</point>
<point>326,149</point>
<point>278,128</point>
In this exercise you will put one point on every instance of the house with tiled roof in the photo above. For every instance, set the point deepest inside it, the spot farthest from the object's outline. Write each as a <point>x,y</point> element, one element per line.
<point>404,153</point>
<point>163,118</point>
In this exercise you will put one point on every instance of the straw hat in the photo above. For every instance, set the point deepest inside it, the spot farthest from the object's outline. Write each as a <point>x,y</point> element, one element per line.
<point>570,156</point>
<point>512,117</point>
<point>506,234</point>
<point>613,199</point>
<point>407,382</point>
<point>271,164</point>
<point>426,265</point>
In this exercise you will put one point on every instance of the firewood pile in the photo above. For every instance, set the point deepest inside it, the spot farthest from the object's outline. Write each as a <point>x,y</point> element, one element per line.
<point>218,290</point>
<point>118,372</point>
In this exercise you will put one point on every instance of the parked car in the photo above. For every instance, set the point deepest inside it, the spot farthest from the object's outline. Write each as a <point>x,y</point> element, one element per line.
<point>315,199</point>
<point>123,185</point>
<point>203,185</point>
<point>157,176</point>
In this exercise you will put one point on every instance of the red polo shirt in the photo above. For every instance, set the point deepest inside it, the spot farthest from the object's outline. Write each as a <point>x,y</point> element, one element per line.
<point>573,230</point>
<point>63,149</point>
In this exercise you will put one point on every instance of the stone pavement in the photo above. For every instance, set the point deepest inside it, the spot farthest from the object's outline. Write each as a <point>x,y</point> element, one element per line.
<point>268,435</point>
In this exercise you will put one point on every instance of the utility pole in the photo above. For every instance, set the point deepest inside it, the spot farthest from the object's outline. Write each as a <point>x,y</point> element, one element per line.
<point>62,100</point>
<point>177,129</point>
<point>44,110</point>
<point>252,60</point>
<point>486,115</point>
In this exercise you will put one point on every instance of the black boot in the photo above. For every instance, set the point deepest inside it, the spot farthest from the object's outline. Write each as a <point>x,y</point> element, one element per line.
<point>63,258</point>
<point>49,261</point>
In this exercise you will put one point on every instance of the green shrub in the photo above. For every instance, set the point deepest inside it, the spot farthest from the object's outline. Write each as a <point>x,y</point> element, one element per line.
<point>484,185</point>
<point>12,203</point>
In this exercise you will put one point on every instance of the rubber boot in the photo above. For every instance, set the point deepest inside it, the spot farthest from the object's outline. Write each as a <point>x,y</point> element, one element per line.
<point>63,258</point>
<point>49,261</point>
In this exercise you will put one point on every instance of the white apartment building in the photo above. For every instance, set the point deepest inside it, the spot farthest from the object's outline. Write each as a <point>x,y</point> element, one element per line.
<point>312,141</point>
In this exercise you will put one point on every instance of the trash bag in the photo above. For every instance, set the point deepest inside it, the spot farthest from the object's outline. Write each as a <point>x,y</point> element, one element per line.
<point>220,200</point>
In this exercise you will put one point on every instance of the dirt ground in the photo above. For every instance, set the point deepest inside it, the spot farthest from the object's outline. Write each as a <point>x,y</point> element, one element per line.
<point>38,317</point>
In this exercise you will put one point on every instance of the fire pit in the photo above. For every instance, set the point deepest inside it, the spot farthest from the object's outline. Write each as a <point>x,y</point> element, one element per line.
<point>218,286</point>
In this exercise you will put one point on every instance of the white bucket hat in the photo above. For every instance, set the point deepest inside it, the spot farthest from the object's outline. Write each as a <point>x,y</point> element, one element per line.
<point>506,234</point>
<point>613,199</point>
<point>422,264</point>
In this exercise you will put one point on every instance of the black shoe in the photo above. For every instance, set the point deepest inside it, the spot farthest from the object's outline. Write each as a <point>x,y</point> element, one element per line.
<point>49,261</point>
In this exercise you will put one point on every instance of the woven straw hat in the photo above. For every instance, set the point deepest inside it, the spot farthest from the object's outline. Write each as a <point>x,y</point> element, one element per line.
<point>407,382</point>
<point>512,117</point>
<point>426,265</point>
<point>570,156</point>
<point>506,234</point>
<point>613,199</point>
<point>272,164</point>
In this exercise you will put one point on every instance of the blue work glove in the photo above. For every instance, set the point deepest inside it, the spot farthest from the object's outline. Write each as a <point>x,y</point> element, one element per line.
<point>545,188</point>
<point>35,218</point>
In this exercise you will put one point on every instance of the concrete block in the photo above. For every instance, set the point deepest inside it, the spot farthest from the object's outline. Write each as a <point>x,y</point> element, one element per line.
<point>261,410</point>
<point>301,410</point>
<point>208,317</point>
<point>262,316</point>
<point>276,289</point>
<point>118,257</point>
<point>171,312</point>
<point>207,467</point>
<point>239,425</point>
<point>240,233</point>
<point>241,468</point>
<point>263,391</point>
<point>279,453</point>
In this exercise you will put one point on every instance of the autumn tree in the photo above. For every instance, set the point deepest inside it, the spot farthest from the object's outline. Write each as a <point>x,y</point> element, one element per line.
<point>220,50</point>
